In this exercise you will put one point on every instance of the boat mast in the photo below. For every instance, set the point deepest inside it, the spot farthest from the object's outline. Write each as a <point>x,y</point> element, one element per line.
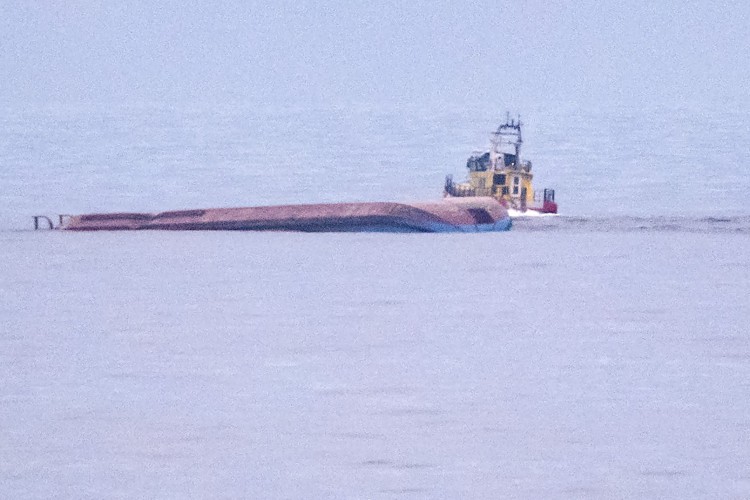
<point>510,128</point>
<point>518,143</point>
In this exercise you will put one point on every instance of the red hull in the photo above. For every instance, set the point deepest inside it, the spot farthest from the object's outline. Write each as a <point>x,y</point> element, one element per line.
<point>446,215</point>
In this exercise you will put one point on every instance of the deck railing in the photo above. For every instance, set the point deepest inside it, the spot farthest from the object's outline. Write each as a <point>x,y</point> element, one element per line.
<point>459,190</point>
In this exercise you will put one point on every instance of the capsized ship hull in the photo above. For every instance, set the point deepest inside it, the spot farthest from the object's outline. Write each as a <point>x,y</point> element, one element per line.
<point>449,215</point>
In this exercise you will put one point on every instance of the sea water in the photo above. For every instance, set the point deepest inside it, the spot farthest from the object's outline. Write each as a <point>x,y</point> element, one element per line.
<point>600,353</point>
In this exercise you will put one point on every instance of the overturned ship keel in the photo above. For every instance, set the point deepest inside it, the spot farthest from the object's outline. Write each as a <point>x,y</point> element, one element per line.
<point>448,215</point>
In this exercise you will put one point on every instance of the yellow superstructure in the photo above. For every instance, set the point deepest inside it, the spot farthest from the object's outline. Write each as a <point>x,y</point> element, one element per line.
<point>500,172</point>
<point>514,186</point>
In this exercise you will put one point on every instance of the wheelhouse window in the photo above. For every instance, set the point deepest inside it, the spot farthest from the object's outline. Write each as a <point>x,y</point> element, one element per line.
<point>516,182</point>
<point>499,179</point>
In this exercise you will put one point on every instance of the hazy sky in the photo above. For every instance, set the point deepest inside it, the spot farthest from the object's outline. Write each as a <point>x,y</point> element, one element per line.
<point>348,51</point>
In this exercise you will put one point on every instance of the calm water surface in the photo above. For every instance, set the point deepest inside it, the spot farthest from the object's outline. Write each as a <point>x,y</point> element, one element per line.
<point>603,354</point>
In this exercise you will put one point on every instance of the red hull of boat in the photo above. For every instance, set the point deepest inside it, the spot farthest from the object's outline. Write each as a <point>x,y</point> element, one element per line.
<point>443,216</point>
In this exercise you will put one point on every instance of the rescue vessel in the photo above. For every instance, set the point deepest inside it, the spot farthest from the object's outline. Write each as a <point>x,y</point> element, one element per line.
<point>500,173</point>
